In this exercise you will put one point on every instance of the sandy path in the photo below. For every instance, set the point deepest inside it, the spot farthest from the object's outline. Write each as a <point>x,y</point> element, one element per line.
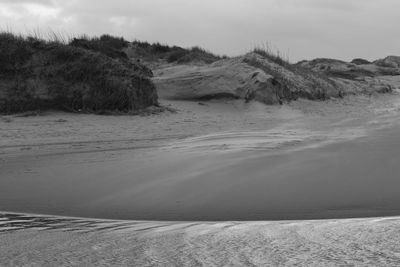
<point>49,241</point>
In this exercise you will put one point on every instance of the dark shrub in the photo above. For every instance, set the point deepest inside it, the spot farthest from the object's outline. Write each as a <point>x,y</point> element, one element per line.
<point>142,44</point>
<point>160,48</point>
<point>106,44</point>
<point>172,54</point>
<point>113,42</point>
<point>360,61</point>
<point>14,53</point>
<point>176,55</point>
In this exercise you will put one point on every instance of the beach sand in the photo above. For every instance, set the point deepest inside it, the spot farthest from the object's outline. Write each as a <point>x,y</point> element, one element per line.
<point>210,161</point>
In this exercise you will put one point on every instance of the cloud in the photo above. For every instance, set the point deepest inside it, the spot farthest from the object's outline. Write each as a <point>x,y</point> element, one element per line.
<point>308,28</point>
<point>42,2</point>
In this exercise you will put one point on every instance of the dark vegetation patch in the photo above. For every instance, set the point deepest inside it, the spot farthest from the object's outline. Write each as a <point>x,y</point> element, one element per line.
<point>360,61</point>
<point>83,75</point>
<point>172,54</point>
<point>105,44</point>
<point>217,96</point>
<point>110,46</point>
<point>329,61</point>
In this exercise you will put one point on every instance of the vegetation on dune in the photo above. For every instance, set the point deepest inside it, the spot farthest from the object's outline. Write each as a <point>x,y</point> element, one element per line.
<point>106,44</point>
<point>38,74</point>
<point>276,57</point>
<point>105,74</point>
<point>360,61</point>
<point>294,80</point>
<point>118,47</point>
<point>171,54</point>
<point>90,74</point>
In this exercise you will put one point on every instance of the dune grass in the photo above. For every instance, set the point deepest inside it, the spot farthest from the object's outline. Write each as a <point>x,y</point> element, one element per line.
<point>106,44</point>
<point>172,54</point>
<point>295,81</point>
<point>275,56</point>
<point>57,73</point>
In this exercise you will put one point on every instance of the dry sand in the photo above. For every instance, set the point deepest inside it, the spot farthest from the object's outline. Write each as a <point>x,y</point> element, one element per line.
<point>57,132</point>
<point>49,241</point>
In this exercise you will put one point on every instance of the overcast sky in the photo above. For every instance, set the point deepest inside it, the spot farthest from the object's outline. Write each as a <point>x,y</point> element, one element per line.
<point>303,29</point>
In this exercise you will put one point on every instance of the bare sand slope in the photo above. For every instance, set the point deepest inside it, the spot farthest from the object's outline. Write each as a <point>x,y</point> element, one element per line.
<point>54,241</point>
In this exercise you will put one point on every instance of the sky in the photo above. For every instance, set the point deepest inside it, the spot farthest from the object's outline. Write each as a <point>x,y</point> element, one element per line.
<point>298,29</point>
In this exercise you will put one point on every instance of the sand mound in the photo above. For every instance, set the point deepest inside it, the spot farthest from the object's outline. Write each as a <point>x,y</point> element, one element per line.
<point>357,69</point>
<point>390,62</point>
<point>257,77</point>
<point>248,77</point>
<point>230,78</point>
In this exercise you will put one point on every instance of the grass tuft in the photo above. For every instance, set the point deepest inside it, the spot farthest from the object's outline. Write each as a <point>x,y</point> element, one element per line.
<point>274,55</point>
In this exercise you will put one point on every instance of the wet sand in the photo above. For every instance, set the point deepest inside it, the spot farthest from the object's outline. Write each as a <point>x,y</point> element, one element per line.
<point>237,161</point>
<point>355,178</point>
<point>306,167</point>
